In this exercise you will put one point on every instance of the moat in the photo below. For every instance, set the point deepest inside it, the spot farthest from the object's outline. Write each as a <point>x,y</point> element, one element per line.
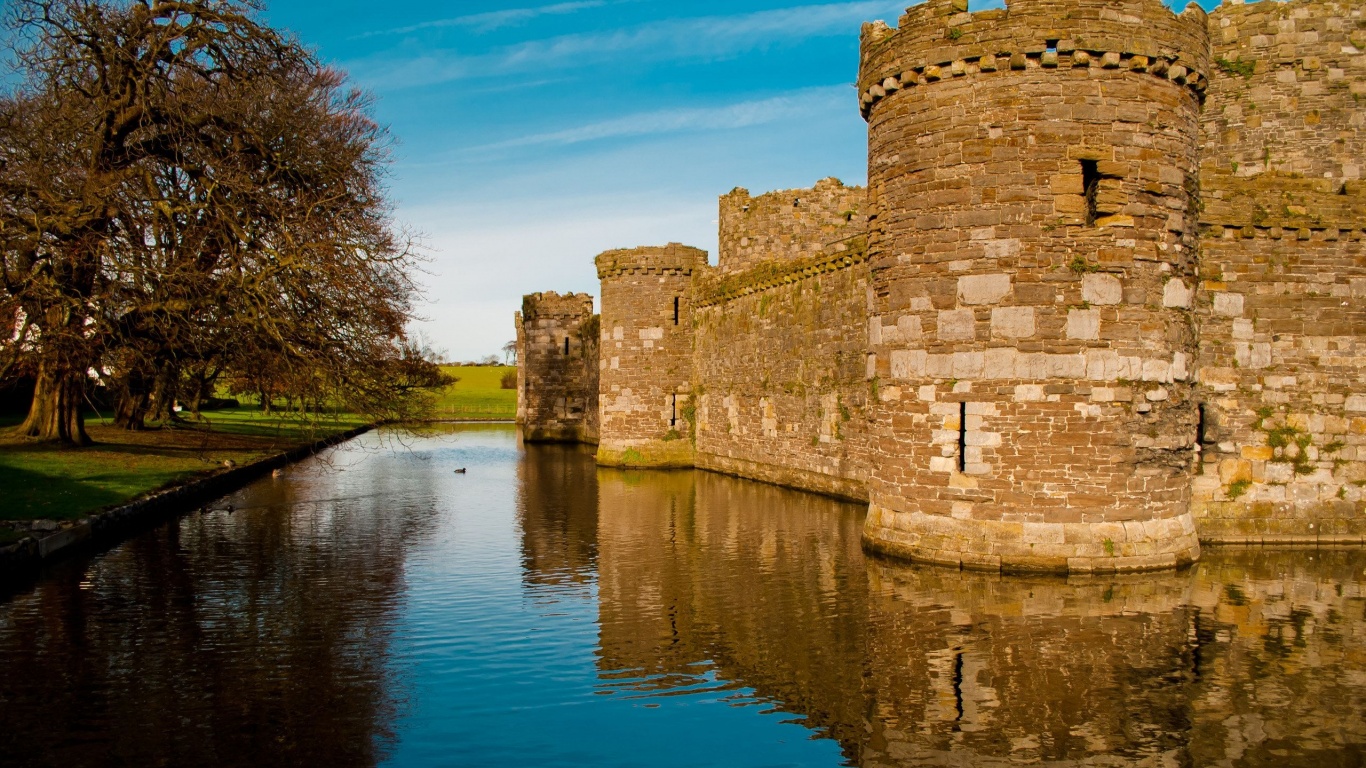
<point>376,607</point>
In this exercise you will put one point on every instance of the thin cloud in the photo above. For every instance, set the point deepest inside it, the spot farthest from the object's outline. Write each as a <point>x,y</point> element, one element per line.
<point>490,20</point>
<point>728,117</point>
<point>675,39</point>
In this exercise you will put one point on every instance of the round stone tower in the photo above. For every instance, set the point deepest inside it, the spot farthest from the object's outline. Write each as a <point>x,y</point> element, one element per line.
<point>645,385</point>
<point>1033,177</point>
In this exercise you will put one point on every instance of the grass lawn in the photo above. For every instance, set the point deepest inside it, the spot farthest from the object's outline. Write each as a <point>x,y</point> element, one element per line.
<point>478,396</point>
<point>45,481</point>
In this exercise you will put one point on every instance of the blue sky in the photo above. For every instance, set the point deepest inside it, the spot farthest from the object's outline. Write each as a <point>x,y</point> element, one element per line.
<point>532,136</point>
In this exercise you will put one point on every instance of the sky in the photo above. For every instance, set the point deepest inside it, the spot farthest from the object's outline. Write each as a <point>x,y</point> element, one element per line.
<point>530,137</point>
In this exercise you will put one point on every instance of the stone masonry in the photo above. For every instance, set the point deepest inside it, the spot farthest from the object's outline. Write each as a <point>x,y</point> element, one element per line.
<point>645,369</point>
<point>557,372</point>
<point>1103,298</point>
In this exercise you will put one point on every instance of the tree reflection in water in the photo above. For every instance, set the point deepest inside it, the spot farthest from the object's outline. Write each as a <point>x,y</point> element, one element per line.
<point>255,638</point>
<point>541,610</point>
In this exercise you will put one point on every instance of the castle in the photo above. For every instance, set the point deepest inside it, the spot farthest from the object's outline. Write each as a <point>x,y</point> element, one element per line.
<point>1104,297</point>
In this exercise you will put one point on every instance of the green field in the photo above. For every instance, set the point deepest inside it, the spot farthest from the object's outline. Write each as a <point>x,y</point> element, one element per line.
<point>478,395</point>
<point>46,481</point>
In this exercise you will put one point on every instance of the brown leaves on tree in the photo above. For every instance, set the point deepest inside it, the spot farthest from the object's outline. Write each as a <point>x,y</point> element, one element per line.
<point>186,195</point>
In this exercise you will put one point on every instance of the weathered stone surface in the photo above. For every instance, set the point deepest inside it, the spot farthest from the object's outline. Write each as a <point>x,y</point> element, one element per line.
<point>983,289</point>
<point>1031,288</point>
<point>645,369</point>
<point>1102,289</point>
<point>557,368</point>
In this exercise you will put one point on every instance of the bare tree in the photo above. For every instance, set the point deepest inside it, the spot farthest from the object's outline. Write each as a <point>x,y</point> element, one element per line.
<point>184,191</point>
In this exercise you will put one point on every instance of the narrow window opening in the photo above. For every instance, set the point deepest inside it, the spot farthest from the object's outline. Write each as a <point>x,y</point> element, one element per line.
<point>566,345</point>
<point>1200,425</point>
<point>962,437</point>
<point>675,310</point>
<point>673,410</point>
<point>1090,179</point>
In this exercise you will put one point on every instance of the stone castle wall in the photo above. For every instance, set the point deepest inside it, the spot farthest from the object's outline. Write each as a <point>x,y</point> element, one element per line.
<point>779,371</point>
<point>789,224</point>
<point>557,361</point>
<point>1105,293</point>
<point>1282,302</point>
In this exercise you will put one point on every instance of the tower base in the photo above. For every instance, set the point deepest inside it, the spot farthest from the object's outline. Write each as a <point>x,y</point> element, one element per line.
<point>992,545</point>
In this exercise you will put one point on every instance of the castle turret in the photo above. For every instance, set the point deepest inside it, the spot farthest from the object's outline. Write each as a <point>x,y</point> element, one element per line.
<point>557,375</point>
<point>645,365</point>
<point>1033,184</point>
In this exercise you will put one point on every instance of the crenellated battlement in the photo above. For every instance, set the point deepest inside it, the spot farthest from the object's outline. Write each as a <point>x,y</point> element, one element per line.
<point>671,259</point>
<point>940,40</point>
<point>549,304</point>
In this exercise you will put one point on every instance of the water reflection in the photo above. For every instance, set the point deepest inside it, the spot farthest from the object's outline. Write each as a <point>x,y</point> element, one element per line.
<point>378,608</point>
<point>557,489</point>
<point>253,638</point>
<point>709,583</point>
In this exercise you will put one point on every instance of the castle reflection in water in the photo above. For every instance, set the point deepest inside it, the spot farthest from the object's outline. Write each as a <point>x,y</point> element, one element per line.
<point>1250,657</point>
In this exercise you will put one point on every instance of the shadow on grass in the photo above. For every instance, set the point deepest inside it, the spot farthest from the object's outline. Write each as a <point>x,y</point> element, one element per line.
<point>32,495</point>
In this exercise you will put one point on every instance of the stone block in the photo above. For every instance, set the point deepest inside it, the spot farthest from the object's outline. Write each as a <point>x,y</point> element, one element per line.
<point>1083,324</point>
<point>1102,289</point>
<point>1001,249</point>
<point>909,328</point>
<point>1228,304</point>
<point>959,324</point>
<point>1012,322</point>
<point>1068,184</point>
<point>943,464</point>
<point>983,289</point>
<point>908,364</point>
<point>967,365</point>
<point>998,364</point>
<point>1176,294</point>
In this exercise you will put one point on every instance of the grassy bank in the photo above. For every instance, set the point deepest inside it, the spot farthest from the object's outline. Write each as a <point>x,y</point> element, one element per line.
<point>45,481</point>
<point>48,482</point>
<point>478,395</point>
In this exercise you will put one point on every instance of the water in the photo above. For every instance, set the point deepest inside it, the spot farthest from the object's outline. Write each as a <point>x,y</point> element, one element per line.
<point>375,607</point>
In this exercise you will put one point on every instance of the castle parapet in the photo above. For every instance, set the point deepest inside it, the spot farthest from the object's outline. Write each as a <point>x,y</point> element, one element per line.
<point>789,224</point>
<point>671,259</point>
<point>940,40</point>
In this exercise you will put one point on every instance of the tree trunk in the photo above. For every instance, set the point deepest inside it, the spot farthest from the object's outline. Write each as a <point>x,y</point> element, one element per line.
<point>56,410</point>
<point>164,395</point>
<point>131,412</point>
